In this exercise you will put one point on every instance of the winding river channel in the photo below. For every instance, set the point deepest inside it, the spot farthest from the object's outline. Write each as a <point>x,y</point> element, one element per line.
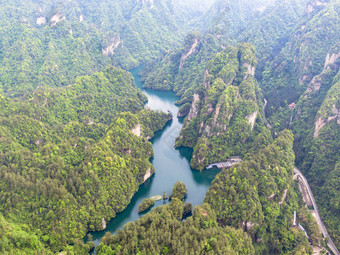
<point>171,164</point>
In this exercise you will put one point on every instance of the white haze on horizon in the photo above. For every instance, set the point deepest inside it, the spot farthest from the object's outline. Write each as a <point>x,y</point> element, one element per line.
<point>206,4</point>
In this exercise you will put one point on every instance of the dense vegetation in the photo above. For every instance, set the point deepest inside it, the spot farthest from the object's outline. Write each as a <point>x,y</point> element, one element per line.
<point>15,240</point>
<point>253,201</point>
<point>146,204</point>
<point>258,197</point>
<point>74,135</point>
<point>225,118</point>
<point>74,152</point>
<point>297,62</point>
<point>306,71</point>
<point>179,191</point>
<point>162,232</point>
<point>303,57</point>
<point>319,109</point>
<point>50,43</point>
<point>226,23</point>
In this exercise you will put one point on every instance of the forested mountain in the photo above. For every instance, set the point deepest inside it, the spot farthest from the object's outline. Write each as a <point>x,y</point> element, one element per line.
<point>74,134</point>
<point>50,43</point>
<point>302,58</point>
<point>224,25</point>
<point>80,153</point>
<point>317,146</point>
<point>305,72</point>
<point>224,119</point>
<point>258,196</point>
<point>221,99</point>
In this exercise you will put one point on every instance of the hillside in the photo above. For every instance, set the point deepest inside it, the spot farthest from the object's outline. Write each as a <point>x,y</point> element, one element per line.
<point>318,147</point>
<point>305,72</point>
<point>77,154</point>
<point>258,196</point>
<point>303,57</point>
<point>224,25</point>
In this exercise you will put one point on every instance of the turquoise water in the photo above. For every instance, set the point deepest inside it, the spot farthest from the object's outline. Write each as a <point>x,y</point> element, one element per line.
<point>171,164</point>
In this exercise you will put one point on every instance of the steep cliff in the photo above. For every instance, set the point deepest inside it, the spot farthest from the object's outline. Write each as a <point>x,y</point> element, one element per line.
<point>303,57</point>
<point>225,118</point>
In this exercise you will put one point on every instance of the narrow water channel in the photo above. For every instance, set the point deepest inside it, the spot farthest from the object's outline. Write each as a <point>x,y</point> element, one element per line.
<point>171,164</point>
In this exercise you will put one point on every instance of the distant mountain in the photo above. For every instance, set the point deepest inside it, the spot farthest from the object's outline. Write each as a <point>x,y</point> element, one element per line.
<point>43,43</point>
<point>302,58</point>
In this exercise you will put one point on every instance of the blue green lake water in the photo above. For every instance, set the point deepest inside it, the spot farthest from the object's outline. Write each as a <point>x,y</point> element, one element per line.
<point>171,164</point>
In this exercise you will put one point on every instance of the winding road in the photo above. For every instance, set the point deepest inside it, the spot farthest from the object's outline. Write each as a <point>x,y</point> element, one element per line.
<point>318,218</point>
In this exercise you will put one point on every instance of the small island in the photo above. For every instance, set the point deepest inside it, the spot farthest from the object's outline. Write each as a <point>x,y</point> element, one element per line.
<point>179,191</point>
<point>146,204</point>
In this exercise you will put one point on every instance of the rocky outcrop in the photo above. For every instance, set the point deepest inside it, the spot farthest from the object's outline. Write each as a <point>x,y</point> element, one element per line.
<point>103,223</point>
<point>303,78</point>
<point>217,112</point>
<point>320,123</point>
<point>335,115</point>
<point>250,70</point>
<point>316,82</point>
<point>331,58</point>
<point>38,142</point>
<point>57,18</point>
<point>147,175</point>
<point>271,196</point>
<point>206,79</point>
<point>110,48</point>
<point>284,196</point>
<point>251,119</point>
<point>137,130</point>
<point>249,225</point>
<point>187,54</point>
<point>41,21</point>
<point>315,3</point>
<point>194,107</point>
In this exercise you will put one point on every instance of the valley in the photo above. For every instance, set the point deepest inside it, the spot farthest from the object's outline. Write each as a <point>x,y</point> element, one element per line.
<point>105,105</point>
<point>171,165</point>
